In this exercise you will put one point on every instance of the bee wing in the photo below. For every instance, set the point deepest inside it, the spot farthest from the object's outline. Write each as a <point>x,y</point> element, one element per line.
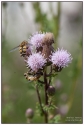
<point>30,44</point>
<point>13,49</point>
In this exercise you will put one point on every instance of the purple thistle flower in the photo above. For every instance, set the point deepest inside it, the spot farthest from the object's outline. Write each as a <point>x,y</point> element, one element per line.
<point>61,58</point>
<point>36,39</point>
<point>36,61</point>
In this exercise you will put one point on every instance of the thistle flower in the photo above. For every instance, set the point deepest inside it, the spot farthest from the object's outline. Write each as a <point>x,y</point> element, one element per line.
<point>61,58</point>
<point>36,61</point>
<point>36,39</point>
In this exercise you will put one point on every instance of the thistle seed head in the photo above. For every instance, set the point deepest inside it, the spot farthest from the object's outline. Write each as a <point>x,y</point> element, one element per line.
<point>48,39</point>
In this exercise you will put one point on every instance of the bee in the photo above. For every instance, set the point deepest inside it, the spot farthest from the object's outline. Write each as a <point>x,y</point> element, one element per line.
<point>24,48</point>
<point>31,77</point>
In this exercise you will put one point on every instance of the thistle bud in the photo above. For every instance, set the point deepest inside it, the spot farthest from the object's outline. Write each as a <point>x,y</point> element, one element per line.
<point>29,113</point>
<point>51,90</point>
<point>46,52</point>
<point>47,45</point>
<point>48,39</point>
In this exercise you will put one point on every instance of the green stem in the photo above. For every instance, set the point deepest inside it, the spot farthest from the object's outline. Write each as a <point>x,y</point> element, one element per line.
<point>29,121</point>
<point>38,94</point>
<point>50,76</point>
<point>46,96</point>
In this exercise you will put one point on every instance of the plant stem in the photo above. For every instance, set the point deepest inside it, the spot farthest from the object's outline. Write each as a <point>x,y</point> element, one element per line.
<point>29,121</point>
<point>39,99</point>
<point>50,73</point>
<point>46,96</point>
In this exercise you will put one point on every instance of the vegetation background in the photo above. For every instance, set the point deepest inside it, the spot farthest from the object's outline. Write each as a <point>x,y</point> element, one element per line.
<point>19,21</point>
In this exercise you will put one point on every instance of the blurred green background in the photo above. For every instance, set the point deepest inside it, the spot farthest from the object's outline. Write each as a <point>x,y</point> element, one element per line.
<point>19,21</point>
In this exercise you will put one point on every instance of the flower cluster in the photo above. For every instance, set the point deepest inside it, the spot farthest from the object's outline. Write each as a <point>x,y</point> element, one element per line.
<point>39,56</point>
<point>45,55</point>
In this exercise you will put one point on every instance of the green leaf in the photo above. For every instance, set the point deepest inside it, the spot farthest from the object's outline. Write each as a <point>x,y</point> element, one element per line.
<point>38,109</point>
<point>57,118</point>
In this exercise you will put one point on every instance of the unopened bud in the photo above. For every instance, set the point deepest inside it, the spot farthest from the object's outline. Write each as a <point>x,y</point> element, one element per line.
<point>51,90</point>
<point>47,51</point>
<point>29,113</point>
<point>47,42</point>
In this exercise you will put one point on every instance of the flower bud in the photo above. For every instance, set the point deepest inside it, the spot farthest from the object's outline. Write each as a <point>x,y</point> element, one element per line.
<point>48,39</point>
<point>51,90</point>
<point>29,113</point>
<point>47,42</point>
<point>47,51</point>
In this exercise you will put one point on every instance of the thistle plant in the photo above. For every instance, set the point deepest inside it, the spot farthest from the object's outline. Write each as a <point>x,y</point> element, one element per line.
<point>43,64</point>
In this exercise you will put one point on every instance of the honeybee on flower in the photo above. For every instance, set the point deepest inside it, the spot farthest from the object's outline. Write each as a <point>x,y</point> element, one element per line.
<point>32,77</point>
<point>24,48</point>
